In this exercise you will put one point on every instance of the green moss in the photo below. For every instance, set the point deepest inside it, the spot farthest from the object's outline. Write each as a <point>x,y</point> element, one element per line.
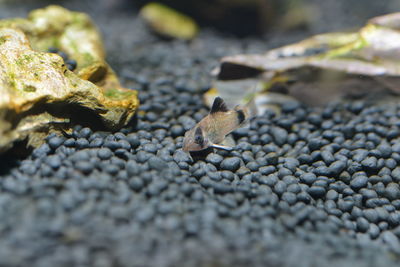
<point>10,22</point>
<point>87,59</point>
<point>11,79</point>
<point>73,46</point>
<point>3,39</point>
<point>79,19</point>
<point>49,41</point>
<point>118,94</point>
<point>29,88</point>
<point>12,83</point>
<point>56,65</point>
<point>24,60</point>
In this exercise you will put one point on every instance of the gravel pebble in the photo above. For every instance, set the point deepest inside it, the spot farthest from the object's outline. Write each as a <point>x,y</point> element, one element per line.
<point>308,178</point>
<point>157,164</point>
<point>104,153</point>
<point>359,182</point>
<point>181,156</point>
<point>53,161</point>
<point>84,166</point>
<point>55,142</point>
<point>280,135</point>
<point>316,191</point>
<point>313,181</point>
<point>214,159</point>
<point>230,164</point>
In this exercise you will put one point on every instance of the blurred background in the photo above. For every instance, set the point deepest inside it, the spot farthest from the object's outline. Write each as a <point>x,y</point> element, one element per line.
<point>237,17</point>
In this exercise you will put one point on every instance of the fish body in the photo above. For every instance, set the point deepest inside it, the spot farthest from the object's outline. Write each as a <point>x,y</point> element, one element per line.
<point>212,129</point>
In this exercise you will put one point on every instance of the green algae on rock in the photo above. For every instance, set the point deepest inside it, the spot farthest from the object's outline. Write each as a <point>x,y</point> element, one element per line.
<point>39,94</point>
<point>169,22</point>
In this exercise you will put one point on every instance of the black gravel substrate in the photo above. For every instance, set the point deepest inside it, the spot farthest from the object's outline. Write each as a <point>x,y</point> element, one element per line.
<point>308,187</point>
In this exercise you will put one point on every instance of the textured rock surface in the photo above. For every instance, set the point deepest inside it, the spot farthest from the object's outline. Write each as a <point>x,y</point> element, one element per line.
<point>38,91</point>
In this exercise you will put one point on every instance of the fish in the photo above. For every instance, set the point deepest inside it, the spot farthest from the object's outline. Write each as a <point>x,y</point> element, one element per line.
<point>212,129</point>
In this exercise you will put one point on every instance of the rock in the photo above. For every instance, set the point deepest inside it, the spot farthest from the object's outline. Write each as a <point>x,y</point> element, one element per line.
<point>91,94</point>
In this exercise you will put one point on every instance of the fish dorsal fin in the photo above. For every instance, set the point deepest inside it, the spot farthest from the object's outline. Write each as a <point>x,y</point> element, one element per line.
<point>218,106</point>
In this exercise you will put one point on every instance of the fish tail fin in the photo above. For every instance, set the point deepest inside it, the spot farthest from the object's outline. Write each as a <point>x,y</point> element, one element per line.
<point>243,114</point>
<point>251,107</point>
<point>247,111</point>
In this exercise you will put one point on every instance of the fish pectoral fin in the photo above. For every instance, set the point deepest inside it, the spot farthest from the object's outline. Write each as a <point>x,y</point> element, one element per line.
<point>228,141</point>
<point>227,148</point>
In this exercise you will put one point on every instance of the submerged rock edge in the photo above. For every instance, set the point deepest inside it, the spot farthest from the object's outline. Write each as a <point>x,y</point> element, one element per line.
<point>39,92</point>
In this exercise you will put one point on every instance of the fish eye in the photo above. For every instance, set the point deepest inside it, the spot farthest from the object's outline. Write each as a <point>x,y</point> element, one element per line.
<point>198,139</point>
<point>198,136</point>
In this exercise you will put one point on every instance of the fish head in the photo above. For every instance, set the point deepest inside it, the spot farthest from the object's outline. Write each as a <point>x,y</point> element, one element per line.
<point>195,140</point>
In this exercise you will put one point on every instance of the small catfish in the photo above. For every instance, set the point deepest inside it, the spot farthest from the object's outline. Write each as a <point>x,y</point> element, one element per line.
<point>212,129</point>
